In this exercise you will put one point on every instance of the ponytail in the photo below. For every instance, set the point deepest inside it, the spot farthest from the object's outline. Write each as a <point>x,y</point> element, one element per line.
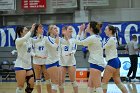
<point>117,37</point>
<point>115,31</point>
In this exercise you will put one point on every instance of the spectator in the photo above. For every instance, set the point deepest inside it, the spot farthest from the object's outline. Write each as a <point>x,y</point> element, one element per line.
<point>132,48</point>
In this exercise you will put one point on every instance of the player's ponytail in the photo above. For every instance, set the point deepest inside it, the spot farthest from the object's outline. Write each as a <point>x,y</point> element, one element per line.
<point>114,32</point>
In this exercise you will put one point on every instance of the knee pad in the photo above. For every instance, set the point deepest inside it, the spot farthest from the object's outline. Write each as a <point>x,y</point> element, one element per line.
<point>62,85</point>
<point>54,86</point>
<point>120,85</point>
<point>104,86</point>
<point>90,90</point>
<point>38,82</point>
<point>28,89</point>
<point>99,90</point>
<point>48,81</point>
<point>19,90</point>
<point>28,78</point>
<point>74,84</point>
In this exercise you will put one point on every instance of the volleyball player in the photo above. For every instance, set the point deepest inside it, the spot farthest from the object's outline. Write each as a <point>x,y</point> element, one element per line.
<point>23,67</point>
<point>96,60</point>
<point>113,66</point>
<point>67,58</point>
<point>39,62</point>
<point>52,43</point>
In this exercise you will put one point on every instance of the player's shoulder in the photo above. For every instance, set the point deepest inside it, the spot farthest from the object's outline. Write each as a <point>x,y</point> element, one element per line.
<point>112,39</point>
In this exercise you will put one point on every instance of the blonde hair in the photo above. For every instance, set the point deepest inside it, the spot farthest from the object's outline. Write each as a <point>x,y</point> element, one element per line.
<point>50,29</point>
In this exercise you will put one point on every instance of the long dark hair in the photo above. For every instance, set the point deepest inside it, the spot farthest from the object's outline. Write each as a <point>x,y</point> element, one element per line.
<point>114,32</point>
<point>35,30</point>
<point>95,26</point>
<point>19,30</point>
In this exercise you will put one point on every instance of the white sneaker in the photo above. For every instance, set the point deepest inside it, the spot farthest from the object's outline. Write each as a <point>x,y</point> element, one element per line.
<point>135,80</point>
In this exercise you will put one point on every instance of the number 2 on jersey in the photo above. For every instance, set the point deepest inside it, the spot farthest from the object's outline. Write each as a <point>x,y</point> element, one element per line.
<point>66,48</point>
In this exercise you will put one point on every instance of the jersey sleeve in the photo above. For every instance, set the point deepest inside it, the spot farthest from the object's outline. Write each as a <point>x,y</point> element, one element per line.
<point>50,43</point>
<point>74,48</point>
<point>21,40</point>
<point>84,42</point>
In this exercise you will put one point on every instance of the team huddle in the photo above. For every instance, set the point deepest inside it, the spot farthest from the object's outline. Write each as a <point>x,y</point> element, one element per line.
<point>53,56</point>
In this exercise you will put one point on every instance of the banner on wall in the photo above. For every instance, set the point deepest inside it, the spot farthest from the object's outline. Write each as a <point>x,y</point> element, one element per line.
<point>7,5</point>
<point>125,61</point>
<point>125,32</point>
<point>33,4</point>
<point>95,3</point>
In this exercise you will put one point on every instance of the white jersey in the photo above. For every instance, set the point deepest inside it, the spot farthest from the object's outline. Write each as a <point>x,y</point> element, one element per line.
<point>111,48</point>
<point>95,49</point>
<point>40,49</point>
<point>52,49</point>
<point>23,46</point>
<point>68,50</point>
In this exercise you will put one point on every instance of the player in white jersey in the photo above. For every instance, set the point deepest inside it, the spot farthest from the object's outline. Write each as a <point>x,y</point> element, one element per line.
<point>52,42</point>
<point>23,67</point>
<point>96,60</point>
<point>40,50</point>
<point>67,58</point>
<point>113,66</point>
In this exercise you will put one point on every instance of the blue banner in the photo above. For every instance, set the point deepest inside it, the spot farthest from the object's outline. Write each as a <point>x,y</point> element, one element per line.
<point>125,32</point>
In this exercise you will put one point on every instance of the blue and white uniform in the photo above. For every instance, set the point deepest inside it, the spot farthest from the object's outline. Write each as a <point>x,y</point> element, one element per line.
<point>40,49</point>
<point>111,52</point>
<point>24,47</point>
<point>94,45</point>
<point>53,52</point>
<point>68,49</point>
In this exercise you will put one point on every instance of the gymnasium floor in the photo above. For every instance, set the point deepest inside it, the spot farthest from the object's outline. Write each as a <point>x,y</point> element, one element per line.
<point>9,87</point>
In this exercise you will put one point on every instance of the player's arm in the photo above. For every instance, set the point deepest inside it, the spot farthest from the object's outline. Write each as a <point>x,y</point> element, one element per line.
<point>74,48</point>
<point>37,56</point>
<point>84,42</point>
<point>21,40</point>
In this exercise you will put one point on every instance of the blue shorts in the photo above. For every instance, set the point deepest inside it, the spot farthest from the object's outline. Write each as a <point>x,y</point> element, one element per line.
<point>52,65</point>
<point>96,67</point>
<point>115,63</point>
<point>19,68</point>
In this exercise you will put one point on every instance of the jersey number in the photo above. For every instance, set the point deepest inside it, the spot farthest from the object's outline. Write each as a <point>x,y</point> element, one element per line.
<point>29,50</point>
<point>66,48</point>
<point>41,48</point>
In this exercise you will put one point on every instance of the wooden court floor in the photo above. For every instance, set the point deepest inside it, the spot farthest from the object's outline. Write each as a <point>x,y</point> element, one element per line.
<point>9,87</point>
